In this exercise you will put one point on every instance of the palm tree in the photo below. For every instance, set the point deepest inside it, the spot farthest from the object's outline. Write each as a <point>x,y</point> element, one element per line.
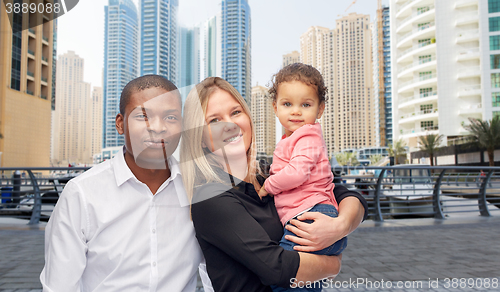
<point>430,144</point>
<point>486,133</point>
<point>375,158</point>
<point>347,158</point>
<point>397,150</point>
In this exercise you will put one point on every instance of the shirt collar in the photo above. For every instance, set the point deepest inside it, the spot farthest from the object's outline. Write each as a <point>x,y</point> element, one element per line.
<point>123,172</point>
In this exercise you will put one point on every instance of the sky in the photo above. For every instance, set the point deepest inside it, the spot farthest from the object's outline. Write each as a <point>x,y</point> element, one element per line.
<point>276,29</point>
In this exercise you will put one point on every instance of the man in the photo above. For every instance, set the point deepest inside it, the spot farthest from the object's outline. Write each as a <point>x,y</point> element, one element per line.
<point>125,225</point>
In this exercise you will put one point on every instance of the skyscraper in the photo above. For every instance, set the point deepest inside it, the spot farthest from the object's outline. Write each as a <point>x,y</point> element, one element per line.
<point>382,78</point>
<point>291,58</point>
<point>189,59</point>
<point>211,47</point>
<point>444,66</point>
<point>264,120</point>
<point>343,56</point>
<point>25,89</point>
<point>120,62</point>
<point>96,120</point>
<point>159,38</point>
<point>72,127</point>
<point>236,45</point>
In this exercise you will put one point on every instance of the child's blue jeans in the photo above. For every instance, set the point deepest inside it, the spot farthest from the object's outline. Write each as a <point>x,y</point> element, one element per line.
<point>334,249</point>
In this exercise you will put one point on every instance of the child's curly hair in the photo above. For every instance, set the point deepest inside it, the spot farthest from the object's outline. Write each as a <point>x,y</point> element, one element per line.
<point>299,72</point>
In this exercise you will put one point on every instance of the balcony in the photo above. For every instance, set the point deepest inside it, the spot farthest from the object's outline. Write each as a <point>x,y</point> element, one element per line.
<point>469,72</point>
<point>469,90</point>
<point>469,54</point>
<point>44,59</point>
<point>43,96</point>
<point>30,92</point>
<point>420,81</point>
<point>467,18</point>
<point>471,109</point>
<point>405,6</point>
<point>31,74</point>
<point>32,32</point>
<point>465,3</point>
<point>44,79</point>
<point>418,131</point>
<point>468,36</point>
<point>420,65</point>
<point>418,98</point>
<point>420,115</point>
<point>414,17</point>
<point>45,38</point>
<point>31,54</point>
<point>424,31</point>
<point>423,48</point>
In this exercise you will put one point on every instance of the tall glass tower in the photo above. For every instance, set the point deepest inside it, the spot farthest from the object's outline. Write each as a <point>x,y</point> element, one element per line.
<point>159,38</point>
<point>189,59</point>
<point>236,45</point>
<point>120,62</point>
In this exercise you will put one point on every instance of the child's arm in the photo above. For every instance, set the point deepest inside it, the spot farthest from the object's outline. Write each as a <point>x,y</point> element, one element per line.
<point>305,155</point>
<point>263,192</point>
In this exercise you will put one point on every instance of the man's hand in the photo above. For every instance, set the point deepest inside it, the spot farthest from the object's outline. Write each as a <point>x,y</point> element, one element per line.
<point>323,232</point>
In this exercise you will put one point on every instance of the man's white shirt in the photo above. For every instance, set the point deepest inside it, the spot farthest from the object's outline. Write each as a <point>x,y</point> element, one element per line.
<point>108,232</point>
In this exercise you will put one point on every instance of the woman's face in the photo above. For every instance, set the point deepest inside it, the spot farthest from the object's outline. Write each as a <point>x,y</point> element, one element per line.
<point>229,128</point>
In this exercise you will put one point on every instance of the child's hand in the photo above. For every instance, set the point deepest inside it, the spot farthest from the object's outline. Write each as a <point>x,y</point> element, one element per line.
<point>263,192</point>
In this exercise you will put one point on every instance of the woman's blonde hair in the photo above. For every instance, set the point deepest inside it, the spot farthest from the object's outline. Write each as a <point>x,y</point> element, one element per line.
<point>196,162</point>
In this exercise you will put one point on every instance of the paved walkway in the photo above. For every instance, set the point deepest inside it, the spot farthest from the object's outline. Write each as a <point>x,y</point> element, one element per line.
<point>399,255</point>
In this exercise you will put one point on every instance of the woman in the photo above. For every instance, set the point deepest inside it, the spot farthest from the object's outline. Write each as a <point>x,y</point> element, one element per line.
<point>237,231</point>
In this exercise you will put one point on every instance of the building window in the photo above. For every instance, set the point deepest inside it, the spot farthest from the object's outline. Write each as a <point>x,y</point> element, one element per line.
<point>421,10</point>
<point>424,42</point>
<point>495,80</point>
<point>424,59</point>
<point>425,75</point>
<point>495,98</point>
<point>425,92</point>
<point>494,42</point>
<point>422,26</point>
<point>495,61</point>
<point>493,6</point>
<point>426,108</point>
<point>427,125</point>
<point>494,23</point>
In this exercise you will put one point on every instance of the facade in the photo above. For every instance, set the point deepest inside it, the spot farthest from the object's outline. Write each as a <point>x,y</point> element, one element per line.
<point>343,56</point>
<point>96,121</point>
<point>211,47</point>
<point>72,127</point>
<point>158,27</point>
<point>25,89</point>
<point>443,66</point>
<point>382,90</point>
<point>291,58</point>
<point>120,62</point>
<point>264,120</point>
<point>189,57</point>
<point>236,45</point>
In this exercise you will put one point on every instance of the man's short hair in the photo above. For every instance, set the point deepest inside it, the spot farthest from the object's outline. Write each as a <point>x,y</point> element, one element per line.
<point>143,83</point>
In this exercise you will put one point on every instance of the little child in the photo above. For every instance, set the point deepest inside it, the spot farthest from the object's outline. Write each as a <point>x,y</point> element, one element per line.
<point>301,179</point>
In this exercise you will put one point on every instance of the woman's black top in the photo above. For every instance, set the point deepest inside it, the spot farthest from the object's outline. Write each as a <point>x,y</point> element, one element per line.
<point>239,235</point>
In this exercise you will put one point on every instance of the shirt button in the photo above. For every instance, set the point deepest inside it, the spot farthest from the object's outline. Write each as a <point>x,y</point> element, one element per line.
<point>154,264</point>
<point>154,231</point>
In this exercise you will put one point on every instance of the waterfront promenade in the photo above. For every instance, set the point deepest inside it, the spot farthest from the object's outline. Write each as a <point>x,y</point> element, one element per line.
<point>410,251</point>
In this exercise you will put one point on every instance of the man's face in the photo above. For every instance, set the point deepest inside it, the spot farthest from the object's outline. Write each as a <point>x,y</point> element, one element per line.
<point>152,126</point>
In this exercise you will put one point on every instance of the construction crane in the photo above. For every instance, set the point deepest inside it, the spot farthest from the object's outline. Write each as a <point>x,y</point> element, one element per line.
<point>350,5</point>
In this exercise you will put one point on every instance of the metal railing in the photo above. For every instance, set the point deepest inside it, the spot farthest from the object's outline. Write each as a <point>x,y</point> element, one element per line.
<point>409,191</point>
<point>392,192</point>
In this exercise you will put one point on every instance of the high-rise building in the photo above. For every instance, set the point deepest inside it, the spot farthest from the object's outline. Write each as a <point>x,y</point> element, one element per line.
<point>72,127</point>
<point>444,66</point>
<point>236,45</point>
<point>159,38</point>
<point>211,47</point>
<point>25,88</point>
<point>96,120</point>
<point>120,62</point>
<point>264,120</point>
<point>382,78</point>
<point>343,56</point>
<point>291,58</point>
<point>189,59</point>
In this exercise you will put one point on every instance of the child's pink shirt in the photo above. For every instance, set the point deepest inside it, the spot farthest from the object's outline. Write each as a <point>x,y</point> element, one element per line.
<point>301,176</point>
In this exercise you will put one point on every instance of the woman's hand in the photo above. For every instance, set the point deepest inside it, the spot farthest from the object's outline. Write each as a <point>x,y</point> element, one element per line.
<point>323,232</point>
<point>263,192</point>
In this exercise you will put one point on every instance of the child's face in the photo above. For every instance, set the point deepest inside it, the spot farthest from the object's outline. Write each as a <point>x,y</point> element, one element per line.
<point>297,104</point>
